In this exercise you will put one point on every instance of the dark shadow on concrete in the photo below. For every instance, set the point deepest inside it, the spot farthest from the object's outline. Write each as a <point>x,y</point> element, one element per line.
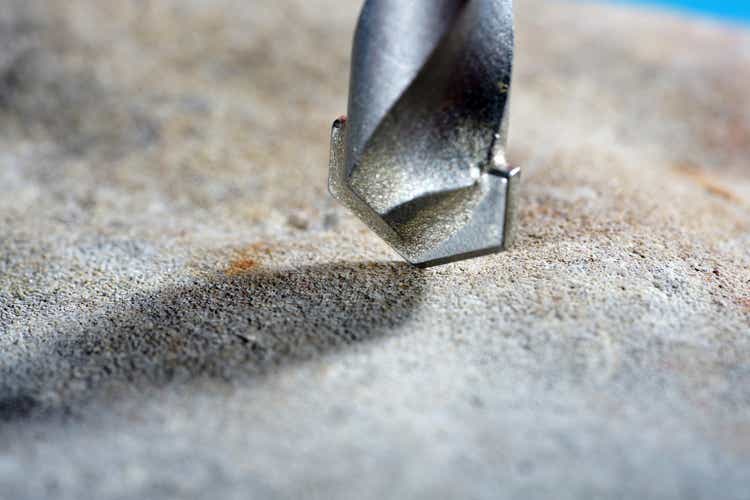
<point>223,327</point>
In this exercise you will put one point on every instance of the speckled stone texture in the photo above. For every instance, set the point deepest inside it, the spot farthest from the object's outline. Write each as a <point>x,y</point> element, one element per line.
<point>185,313</point>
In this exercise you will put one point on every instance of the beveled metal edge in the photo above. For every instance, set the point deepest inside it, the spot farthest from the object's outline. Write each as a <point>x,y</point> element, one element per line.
<point>338,188</point>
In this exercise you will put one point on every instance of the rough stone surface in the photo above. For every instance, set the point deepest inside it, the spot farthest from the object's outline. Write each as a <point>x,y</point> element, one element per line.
<point>184,312</point>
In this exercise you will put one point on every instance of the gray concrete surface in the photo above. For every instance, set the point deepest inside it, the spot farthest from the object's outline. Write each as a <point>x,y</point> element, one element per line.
<point>184,313</point>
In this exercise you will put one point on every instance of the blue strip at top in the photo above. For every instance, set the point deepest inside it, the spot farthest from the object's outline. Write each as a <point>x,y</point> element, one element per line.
<point>738,10</point>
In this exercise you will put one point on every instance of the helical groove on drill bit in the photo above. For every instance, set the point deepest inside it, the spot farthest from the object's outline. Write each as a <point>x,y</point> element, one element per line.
<point>421,156</point>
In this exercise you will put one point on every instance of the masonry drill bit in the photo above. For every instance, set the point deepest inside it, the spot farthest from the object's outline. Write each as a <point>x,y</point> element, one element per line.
<point>420,158</point>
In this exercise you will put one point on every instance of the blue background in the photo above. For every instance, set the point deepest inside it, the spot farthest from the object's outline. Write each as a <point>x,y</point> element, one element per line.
<point>738,10</point>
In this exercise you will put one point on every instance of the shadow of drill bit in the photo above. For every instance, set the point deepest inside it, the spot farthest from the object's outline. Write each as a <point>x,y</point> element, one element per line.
<point>225,327</point>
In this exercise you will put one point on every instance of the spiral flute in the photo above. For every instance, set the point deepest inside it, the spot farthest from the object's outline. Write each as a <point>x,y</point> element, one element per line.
<point>420,158</point>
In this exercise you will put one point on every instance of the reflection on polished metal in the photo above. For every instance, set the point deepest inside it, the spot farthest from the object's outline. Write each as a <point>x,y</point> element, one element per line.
<point>421,157</point>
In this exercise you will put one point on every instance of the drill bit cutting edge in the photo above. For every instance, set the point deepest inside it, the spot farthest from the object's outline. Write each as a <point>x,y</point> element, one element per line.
<point>421,156</point>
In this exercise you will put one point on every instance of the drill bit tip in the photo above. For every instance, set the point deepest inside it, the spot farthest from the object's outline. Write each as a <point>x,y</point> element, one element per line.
<point>421,157</point>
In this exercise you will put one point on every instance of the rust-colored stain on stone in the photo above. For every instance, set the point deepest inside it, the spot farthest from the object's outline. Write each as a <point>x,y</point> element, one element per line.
<point>241,266</point>
<point>744,302</point>
<point>247,259</point>
<point>709,184</point>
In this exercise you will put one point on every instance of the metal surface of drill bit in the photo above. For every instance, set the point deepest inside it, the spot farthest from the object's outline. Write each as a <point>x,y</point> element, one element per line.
<point>421,156</point>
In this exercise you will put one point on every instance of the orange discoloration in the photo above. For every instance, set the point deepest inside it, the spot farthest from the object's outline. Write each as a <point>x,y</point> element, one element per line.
<point>744,303</point>
<point>241,266</point>
<point>709,184</point>
<point>247,259</point>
